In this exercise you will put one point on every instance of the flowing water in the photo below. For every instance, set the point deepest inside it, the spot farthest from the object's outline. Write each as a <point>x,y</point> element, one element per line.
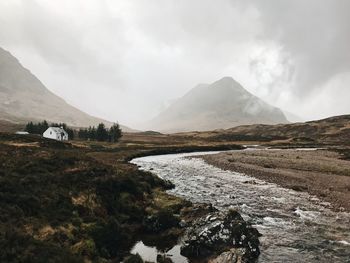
<point>296,226</point>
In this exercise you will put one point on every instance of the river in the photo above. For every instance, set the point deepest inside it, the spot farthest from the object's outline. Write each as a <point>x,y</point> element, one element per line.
<point>295,226</point>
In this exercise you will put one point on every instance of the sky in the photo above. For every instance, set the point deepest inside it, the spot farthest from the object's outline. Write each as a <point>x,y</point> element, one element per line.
<point>127,60</point>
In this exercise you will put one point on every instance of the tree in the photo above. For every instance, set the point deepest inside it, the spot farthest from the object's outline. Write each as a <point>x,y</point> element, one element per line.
<point>91,133</point>
<point>83,134</point>
<point>41,127</point>
<point>115,133</point>
<point>44,126</point>
<point>101,133</point>
<point>37,128</point>
<point>29,127</point>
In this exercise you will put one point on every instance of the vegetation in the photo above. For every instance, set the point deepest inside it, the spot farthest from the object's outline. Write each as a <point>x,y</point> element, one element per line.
<point>134,259</point>
<point>82,201</point>
<point>41,127</point>
<point>37,128</point>
<point>75,201</point>
<point>101,133</point>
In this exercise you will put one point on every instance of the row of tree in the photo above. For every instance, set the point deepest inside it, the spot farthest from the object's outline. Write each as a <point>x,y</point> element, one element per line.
<point>101,133</point>
<point>41,127</point>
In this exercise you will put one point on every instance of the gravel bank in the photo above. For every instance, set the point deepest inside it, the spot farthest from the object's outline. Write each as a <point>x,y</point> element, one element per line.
<point>319,172</point>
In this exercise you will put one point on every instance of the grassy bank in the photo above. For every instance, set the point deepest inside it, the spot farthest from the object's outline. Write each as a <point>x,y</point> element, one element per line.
<point>82,201</point>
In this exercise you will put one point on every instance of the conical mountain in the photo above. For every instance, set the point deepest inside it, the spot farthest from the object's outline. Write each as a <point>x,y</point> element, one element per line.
<point>24,98</point>
<point>220,105</point>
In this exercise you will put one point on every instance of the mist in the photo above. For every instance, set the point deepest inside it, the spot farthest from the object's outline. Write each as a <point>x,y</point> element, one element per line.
<point>127,60</point>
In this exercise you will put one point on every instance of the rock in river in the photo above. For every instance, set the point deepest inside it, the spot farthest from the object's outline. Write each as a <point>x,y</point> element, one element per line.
<point>225,235</point>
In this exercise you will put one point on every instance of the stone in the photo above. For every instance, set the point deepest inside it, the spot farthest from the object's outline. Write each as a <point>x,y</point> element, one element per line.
<point>234,255</point>
<point>218,233</point>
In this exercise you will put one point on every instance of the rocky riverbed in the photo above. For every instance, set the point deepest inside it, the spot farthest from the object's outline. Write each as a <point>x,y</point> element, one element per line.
<point>322,173</point>
<point>295,226</point>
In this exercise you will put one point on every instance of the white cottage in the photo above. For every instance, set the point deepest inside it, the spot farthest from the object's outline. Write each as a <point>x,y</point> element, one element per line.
<point>56,133</point>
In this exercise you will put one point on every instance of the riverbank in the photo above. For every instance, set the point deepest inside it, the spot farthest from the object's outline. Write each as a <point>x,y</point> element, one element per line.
<point>84,202</point>
<point>323,173</point>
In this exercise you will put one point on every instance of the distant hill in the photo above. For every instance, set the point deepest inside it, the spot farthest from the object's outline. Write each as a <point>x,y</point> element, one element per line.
<point>220,105</point>
<point>333,130</point>
<point>24,98</point>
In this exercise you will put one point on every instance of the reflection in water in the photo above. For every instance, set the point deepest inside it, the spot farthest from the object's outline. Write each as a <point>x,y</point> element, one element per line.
<point>150,253</point>
<point>296,227</point>
<point>147,253</point>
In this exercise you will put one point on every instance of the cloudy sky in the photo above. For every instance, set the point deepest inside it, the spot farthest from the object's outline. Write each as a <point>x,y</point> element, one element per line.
<point>126,60</point>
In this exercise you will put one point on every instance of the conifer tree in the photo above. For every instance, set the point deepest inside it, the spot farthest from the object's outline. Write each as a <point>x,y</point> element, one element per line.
<point>115,133</point>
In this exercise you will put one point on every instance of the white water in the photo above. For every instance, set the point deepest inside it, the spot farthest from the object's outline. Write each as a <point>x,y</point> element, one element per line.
<point>296,227</point>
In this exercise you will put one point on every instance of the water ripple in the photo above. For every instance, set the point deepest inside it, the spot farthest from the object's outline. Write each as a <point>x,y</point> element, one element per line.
<point>296,226</point>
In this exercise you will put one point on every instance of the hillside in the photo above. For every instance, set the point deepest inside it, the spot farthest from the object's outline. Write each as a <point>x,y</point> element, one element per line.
<point>220,105</point>
<point>333,130</point>
<point>23,97</point>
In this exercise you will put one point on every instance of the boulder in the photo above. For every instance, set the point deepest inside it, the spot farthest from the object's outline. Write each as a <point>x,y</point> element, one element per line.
<point>234,255</point>
<point>221,232</point>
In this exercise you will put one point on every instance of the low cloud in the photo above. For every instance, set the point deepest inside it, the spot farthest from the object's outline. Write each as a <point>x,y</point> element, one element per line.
<point>123,60</point>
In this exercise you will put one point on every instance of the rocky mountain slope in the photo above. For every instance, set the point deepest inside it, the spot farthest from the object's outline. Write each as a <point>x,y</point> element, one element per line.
<point>23,97</point>
<point>222,104</point>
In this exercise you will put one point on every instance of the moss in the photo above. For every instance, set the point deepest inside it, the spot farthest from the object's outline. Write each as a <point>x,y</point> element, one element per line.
<point>169,202</point>
<point>160,221</point>
<point>85,248</point>
<point>16,247</point>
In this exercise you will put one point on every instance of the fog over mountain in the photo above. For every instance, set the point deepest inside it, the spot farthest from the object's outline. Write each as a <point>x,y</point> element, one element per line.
<point>220,105</point>
<point>24,98</point>
<point>123,60</point>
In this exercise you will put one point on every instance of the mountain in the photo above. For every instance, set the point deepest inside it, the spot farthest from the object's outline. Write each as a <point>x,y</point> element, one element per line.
<point>220,105</point>
<point>24,98</point>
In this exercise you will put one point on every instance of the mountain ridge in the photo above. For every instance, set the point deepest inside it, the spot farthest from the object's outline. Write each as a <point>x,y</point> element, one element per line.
<point>23,97</point>
<point>220,105</point>
<point>330,130</point>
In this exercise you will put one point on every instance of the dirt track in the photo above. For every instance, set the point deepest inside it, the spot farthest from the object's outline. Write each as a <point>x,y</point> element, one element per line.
<point>320,172</point>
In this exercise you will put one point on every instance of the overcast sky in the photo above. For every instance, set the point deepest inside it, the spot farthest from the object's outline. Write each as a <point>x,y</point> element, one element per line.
<point>127,60</point>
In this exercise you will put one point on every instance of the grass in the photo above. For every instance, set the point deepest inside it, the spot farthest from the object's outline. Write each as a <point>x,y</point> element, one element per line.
<point>82,201</point>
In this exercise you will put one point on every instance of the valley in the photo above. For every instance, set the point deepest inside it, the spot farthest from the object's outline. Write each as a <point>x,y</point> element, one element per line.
<point>174,131</point>
<point>218,176</point>
<point>78,179</point>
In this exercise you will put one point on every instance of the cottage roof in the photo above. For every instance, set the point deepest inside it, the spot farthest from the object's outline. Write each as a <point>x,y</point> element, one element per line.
<point>57,130</point>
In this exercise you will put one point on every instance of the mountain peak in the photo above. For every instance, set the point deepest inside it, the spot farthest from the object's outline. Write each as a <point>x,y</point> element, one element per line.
<point>23,97</point>
<point>226,79</point>
<point>228,83</point>
<point>222,104</point>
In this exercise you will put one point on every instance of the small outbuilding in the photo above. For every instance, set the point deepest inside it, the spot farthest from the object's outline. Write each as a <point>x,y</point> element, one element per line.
<point>56,133</point>
<point>22,133</point>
